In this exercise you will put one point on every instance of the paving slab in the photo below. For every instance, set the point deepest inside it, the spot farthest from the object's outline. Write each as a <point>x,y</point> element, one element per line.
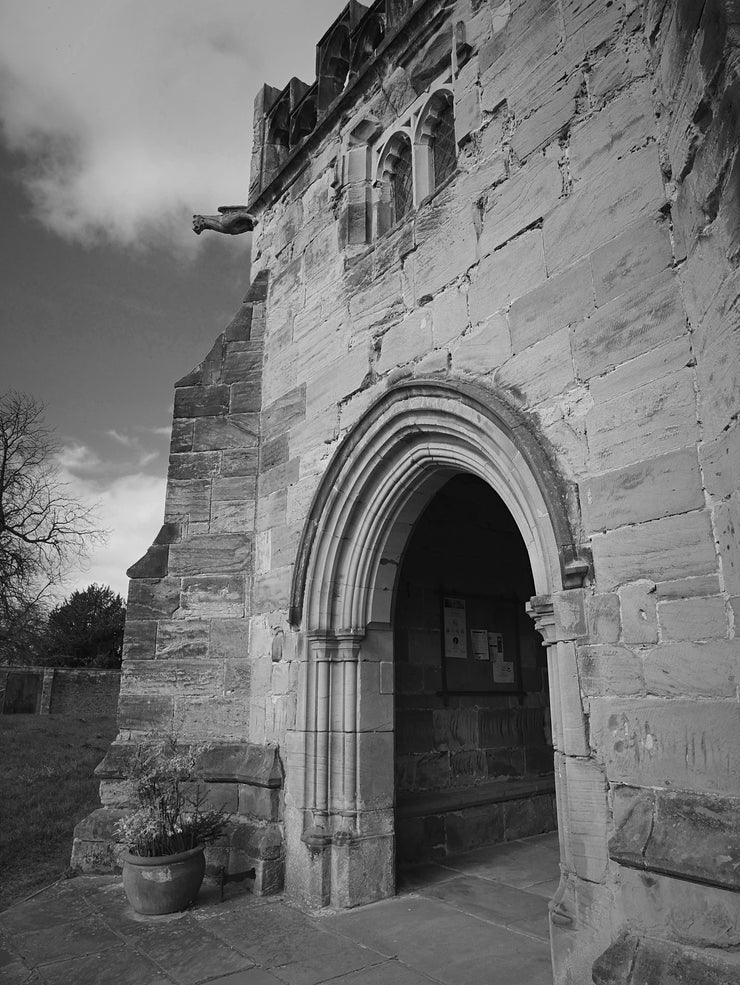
<point>467,920</point>
<point>122,966</point>
<point>498,903</point>
<point>188,953</point>
<point>86,935</point>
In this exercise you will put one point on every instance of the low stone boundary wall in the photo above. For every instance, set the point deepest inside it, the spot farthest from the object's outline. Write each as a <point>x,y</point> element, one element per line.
<point>59,691</point>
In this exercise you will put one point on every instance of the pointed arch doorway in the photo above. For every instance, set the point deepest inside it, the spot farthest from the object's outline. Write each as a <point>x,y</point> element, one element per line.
<point>340,789</point>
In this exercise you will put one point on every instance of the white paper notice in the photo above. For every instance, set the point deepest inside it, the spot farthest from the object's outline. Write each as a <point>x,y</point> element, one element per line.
<point>480,644</point>
<point>456,644</point>
<point>503,670</point>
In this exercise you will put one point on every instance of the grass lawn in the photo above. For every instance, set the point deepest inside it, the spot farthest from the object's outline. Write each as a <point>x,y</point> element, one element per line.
<point>47,787</point>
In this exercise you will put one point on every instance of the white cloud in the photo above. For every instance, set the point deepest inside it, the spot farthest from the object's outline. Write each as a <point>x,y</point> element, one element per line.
<point>77,458</point>
<point>132,115</point>
<point>131,508</point>
<point>127,503</point>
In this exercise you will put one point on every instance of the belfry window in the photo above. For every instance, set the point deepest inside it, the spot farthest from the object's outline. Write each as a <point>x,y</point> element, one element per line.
<point>415,158</point>
<point>394,183</point>
<point>444,145</point>
<point>402,186</point>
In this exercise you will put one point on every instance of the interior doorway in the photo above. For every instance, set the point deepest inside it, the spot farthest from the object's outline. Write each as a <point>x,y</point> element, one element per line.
<point>473,744</point>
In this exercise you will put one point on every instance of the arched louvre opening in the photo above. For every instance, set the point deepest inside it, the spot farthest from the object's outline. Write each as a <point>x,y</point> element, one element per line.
<point>402,187</point>
<point>444,144</point>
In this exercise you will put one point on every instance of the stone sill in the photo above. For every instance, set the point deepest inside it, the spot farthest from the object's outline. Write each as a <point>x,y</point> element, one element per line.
<point>462,798</point>
<point>236,762</point>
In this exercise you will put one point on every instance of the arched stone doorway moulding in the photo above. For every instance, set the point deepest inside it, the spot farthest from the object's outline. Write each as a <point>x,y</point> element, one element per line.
<point>339,791</point>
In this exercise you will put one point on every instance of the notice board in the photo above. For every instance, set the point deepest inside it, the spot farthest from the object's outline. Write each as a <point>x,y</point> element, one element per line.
<point>480,643</point>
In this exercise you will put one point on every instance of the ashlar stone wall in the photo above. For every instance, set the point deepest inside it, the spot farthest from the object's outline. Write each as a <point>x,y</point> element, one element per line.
<point>579,266</point>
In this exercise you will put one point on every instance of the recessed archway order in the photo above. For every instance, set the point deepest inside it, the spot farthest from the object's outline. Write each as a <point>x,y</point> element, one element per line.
<point>412,441</point>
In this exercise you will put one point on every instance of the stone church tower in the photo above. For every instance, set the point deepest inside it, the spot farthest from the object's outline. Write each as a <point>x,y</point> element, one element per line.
<point>450,553</point>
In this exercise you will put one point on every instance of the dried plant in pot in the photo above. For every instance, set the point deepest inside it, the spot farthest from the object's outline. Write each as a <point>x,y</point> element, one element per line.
<point>165,834</point>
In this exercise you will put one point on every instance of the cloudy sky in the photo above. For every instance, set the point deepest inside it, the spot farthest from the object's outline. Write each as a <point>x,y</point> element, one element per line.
<point>119,119</point>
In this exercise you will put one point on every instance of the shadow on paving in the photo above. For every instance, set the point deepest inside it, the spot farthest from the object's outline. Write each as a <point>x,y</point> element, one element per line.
<point>477,918</point>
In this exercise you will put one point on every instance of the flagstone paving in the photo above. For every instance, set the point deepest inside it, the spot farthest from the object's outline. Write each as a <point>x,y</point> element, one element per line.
<point>469,920</point>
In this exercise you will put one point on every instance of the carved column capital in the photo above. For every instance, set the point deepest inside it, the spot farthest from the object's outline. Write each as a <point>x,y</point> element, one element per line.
<point>541,611</point>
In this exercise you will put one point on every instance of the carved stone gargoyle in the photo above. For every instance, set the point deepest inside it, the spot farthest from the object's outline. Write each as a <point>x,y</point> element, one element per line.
<point>232,219</point>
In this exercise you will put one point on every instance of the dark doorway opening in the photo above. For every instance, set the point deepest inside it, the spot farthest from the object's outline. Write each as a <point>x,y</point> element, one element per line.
<point>473,752</point>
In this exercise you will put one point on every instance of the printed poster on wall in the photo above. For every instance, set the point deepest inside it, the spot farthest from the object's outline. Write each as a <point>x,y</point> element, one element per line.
<point>503,670</point>
<point>479,639</point>
<point>456,643</point>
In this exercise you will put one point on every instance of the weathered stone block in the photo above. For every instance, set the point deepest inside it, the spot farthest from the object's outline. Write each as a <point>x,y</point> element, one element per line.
<point>239,462</point>
<point>626,262</point>
<point>688,835</point>
<point>452,729</point>
<point>652,742</point>
<point>503,276</point>
<point>693,619</point>
<point>550,116</point>
<point>684,588</point>
<point>146,713</point>
<point>662,486</point>
<point>528,816</point>
<point>182,639</point>
<point>519,203</point>
<point>540,372</point>
<point>234,431</point>
<point>242,362</point>
<point>671,547</point>
<point>201,401</point>
<point>720,460</point>
<point>232,518</point>
<point>657,418</point>
<point>707,670</point>
<point>558,302</point>
<point>727,519</point>
<point>588,25</point>
<point>190,497</point>
<point>570,615</point>
<point>488,344</point>
<point>234,489</point>
<point>607,137</point>
<point>600,209</point>
<point>449,311</point>
<point>139,639</point>
<point>213,596</point>
<point>245,398</point>
<point>644,317</point>
<point>261,802</point>
<point>477,826</point>
<point>153,599</point>
<point>182,436</point>
<point>405,341</point>
<point>602,617</point>
<point>212,553</point>
<point>504,763</point>
<point>695,914</point>
<point>193,465</point>
<point>639,612</point>
<point>229,639</point>
<point>278,479</point>
<point>284,413</point>
<point>609,670</point>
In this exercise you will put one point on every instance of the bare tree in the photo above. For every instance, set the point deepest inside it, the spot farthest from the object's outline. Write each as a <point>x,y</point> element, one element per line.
<point>43,530</point>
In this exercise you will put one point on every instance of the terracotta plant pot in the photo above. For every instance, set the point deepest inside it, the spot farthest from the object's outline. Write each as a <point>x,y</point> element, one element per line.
<point>163,883</point>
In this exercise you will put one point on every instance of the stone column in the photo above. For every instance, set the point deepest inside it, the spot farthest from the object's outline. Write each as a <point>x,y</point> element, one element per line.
<point>542,612</point>
<point>47,687</point>
<point>580,784</point>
